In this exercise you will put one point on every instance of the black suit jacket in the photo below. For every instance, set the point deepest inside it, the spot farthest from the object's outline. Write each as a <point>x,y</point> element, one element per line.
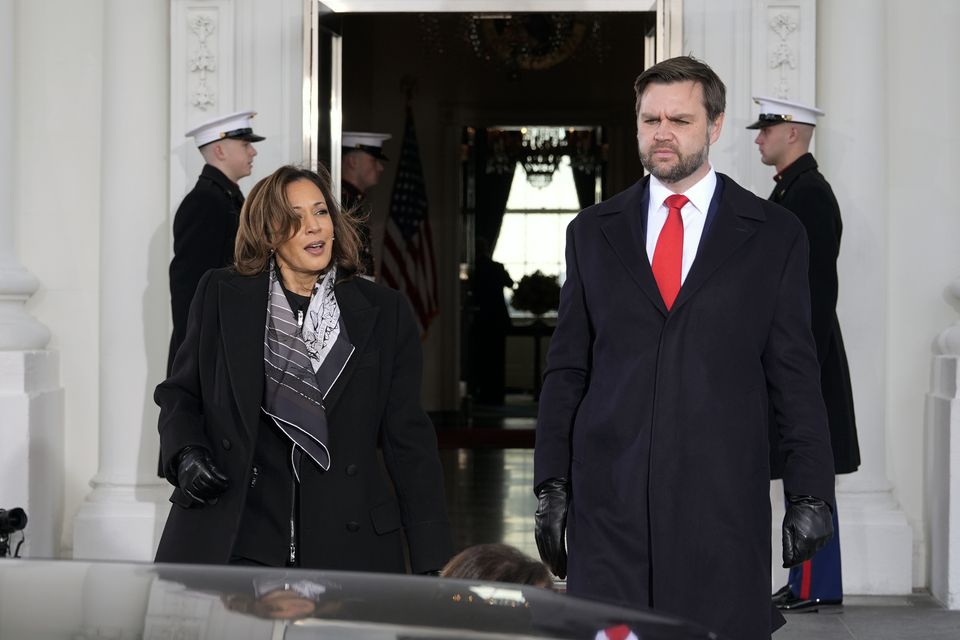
<point>659,419</point>
<point>204,232</point>
<point>803,190</point>
<point>350,516</point>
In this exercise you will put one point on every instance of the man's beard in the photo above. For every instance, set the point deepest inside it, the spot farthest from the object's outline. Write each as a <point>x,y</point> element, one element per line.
<point>685,165</point>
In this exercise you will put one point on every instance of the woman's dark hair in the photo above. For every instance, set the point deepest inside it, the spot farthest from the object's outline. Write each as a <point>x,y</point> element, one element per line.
<point>681,69</point>
<point>498,563</point>
<point>267,220</point>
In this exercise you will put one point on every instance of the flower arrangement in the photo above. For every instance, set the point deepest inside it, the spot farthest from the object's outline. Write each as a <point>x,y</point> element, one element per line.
<point>537,293</point>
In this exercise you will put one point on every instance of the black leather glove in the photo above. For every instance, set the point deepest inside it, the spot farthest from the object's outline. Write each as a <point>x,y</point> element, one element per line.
<point>551,524</point>
<point>807,527</point>
<point>198,477</point>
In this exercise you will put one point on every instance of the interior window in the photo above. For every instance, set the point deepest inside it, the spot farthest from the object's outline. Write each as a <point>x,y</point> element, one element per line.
<point>533,234</point>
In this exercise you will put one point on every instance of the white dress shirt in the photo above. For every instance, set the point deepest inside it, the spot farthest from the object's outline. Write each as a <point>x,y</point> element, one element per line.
<point>694,215</point>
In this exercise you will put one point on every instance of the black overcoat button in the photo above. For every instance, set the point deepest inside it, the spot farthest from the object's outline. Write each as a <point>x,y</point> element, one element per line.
<point>226,444</point>
<point>353,527</point>
<point>352,469</point>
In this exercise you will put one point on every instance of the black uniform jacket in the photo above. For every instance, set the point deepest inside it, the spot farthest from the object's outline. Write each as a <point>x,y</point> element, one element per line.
<point>802,189</point>
<point>204,233</point>
<point>350,516</point>
<point>355,202</point>
<point>659,419</point>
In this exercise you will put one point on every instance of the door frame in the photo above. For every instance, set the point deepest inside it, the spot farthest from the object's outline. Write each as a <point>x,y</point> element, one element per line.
<point>668,43</point>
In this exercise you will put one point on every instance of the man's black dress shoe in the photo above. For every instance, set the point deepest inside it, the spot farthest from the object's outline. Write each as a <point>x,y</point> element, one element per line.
<point>798,605</point>
<point>782,594</point>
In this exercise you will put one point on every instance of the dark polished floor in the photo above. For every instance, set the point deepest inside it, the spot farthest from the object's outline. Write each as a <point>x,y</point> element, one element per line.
<point>490,496</point>
<point>487,457</point>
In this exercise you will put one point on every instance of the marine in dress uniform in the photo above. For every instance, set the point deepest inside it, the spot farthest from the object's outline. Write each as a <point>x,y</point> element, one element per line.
<point>363,160</point>
<point>785,131</point>
<point>205,225</point>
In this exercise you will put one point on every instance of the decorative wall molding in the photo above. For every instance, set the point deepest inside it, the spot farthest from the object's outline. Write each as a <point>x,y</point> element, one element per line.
<point>202,63</point>
<point>782,56</point>
<point>783,24</point>
<point>785,39</point>
<point>203,59</point>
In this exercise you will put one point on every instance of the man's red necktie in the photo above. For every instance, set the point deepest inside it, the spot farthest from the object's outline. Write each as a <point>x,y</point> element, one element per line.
<point>668,255</point>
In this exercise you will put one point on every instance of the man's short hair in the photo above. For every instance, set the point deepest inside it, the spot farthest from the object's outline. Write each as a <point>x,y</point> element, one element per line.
<point>681,69</point>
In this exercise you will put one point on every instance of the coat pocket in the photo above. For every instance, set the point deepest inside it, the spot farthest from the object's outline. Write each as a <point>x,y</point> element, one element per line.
<point>385,517</point>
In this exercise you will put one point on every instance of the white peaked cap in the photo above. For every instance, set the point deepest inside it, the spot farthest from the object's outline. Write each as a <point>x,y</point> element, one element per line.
<point>234,125</point>
<point>367,141</point>
<point>774,111</point>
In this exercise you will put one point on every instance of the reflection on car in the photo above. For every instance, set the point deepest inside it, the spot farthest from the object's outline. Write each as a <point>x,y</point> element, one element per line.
<point>75,599</point>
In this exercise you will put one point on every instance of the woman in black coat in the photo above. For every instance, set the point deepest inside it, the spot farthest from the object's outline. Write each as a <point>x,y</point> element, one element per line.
<point>291,423</point>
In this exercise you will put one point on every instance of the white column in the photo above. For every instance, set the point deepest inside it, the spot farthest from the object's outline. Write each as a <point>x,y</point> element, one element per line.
<point>31,401</point>
<point>124,514</point>
<point>877,540</point>
<point>18,329</point>
<point>942,465</point>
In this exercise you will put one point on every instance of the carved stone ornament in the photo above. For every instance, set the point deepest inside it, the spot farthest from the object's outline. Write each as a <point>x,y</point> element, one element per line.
<point>782,57</point>
<point>202,62</point>
<point>783,25</point>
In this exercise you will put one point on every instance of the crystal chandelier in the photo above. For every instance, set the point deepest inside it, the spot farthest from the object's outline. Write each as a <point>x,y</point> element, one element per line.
<point>542,148</point>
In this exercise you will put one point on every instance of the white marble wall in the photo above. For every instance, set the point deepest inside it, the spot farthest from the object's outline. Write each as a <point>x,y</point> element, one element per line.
<point>854,157</point>
<point>920,55</point>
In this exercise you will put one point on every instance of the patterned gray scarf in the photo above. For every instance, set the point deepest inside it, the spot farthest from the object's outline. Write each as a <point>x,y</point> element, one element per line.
<point>302,360</point>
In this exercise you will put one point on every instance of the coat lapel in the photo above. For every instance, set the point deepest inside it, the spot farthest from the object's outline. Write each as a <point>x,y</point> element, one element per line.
<point>623,229</point>
<point>735,222</point>
<point>359,317</point>
<point>244,302</point>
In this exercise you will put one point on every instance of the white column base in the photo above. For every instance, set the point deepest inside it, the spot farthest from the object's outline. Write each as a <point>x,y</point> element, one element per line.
<point>121,523</point>
<point>876,543</point>
<point>18,329</point>
<point>31,447</point>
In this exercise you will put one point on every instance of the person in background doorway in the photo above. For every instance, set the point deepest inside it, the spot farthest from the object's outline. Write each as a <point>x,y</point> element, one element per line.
<point>491,323</point>
<point>785,131</point>
<point>361,168</point>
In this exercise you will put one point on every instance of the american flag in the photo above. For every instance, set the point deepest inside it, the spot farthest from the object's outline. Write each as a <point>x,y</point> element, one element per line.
<point>408,261</point>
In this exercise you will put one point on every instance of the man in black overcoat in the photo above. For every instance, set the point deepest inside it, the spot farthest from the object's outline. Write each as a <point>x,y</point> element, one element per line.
<point>786,129</point>
<point>685,313</point>
<point>205,225</point>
